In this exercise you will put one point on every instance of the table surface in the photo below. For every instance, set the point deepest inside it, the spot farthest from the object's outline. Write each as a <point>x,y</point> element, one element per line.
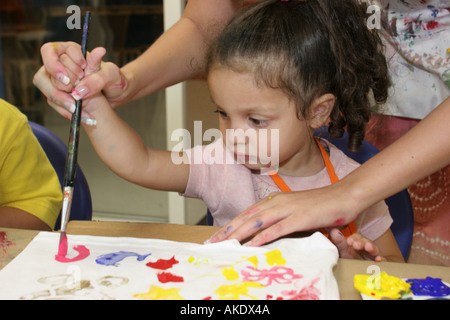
<point>13,241</point>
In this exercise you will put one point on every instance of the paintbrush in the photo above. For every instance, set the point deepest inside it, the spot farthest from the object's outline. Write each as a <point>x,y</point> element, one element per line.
<point>72,154</point>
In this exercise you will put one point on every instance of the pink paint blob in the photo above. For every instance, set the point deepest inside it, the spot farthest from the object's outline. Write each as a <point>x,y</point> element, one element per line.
<point>165,277</point>
<point>310,292</point>
<point>83,253</point>
<point>63,245</point>
<point>252,211</point>
<point>162,264</point>
<point>278,274</point>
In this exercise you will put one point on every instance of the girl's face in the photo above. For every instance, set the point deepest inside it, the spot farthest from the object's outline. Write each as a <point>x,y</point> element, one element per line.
<point>260,125</point>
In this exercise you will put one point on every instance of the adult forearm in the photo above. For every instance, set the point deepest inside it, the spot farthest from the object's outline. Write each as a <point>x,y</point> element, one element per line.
<point>176,56</point>
<point>422,151</point>
<point>179,54</point>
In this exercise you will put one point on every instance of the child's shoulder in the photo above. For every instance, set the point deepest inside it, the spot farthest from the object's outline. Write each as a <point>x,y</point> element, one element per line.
<point>10,113</point>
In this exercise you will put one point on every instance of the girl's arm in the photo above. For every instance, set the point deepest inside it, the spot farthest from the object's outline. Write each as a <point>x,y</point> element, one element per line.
<point>422,151</point>
<point>124,152</point>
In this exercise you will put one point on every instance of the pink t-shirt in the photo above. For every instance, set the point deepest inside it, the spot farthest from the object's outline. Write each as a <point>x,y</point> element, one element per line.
<point>229,188</point>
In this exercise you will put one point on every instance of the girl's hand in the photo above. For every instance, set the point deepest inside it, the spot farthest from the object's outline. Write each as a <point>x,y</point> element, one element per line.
<point>355,247</point>
<point>281,214</point>
<point>66,76</point>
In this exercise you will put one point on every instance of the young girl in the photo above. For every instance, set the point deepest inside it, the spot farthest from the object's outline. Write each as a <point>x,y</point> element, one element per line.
<point>283,68</point>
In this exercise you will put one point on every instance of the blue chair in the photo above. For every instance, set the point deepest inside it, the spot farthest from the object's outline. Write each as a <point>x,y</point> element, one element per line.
<point>400,206</point>
<point>56,152</point>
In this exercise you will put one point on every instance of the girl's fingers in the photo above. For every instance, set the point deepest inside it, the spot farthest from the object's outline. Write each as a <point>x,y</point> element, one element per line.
<point>100,76</point>
<point>94,60</point>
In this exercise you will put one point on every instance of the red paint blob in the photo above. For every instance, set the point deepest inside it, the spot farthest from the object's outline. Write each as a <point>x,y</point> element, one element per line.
<point>339,222</point>
<point>162,264</point>
<point>4,242</point>
<point>432,25</point>
<point>83,253</point>
<point>165,277</point>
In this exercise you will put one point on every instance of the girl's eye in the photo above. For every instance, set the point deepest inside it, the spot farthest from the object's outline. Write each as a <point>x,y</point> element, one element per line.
<point>221,113</point>
<point>258,122</point>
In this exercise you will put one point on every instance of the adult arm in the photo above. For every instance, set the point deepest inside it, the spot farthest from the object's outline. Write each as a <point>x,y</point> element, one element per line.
<point>422,151</point>
<point>177,55</point>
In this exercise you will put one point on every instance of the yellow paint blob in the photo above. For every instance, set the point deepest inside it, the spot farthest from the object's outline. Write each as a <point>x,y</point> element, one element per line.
<point>157,293</point>
<point>234,291</point>
<point>254,261</point>
<point>381,286</point>
<point>274,258</point>
<point>230,273</point>
<point>197,261</point>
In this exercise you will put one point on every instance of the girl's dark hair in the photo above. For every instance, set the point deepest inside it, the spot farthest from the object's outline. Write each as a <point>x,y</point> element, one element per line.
<point>310,48</point>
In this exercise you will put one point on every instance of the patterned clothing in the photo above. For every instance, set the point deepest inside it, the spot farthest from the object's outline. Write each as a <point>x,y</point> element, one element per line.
<point>418,51</point>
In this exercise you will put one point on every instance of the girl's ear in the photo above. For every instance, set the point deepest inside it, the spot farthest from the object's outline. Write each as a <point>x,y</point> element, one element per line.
<point>321,109</point>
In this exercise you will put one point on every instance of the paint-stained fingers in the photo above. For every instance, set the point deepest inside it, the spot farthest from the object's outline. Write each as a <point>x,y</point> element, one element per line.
<point>74,72</point>
<point>61,110</point>
<point>273,232</point>
<point>86,118</point>
<point>55,97</point>
<point>51,53</point>
<point>100,76</point>
<point>226,231</point>
<point>97,82</point>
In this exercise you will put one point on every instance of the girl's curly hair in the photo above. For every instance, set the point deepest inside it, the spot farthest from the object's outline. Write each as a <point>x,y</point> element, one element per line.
<point>310,48</point>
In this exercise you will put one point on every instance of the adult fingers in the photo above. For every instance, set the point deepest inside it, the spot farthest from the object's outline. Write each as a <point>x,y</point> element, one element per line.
<point>57,97</point>
<point>230,228</point>
<point>61,110</point>
<point>51,53</point>
<point>86,118</point>
<point>279,229</point>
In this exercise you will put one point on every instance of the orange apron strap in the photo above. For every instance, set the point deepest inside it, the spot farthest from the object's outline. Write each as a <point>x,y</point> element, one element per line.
<point>351,228</point>
<point>280,183</point>
<point>326,159</point>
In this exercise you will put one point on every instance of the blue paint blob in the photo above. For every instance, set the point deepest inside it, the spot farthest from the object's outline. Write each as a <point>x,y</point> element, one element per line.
<point>113,259</point>
<point>258,224</point>
<point>433,287</point>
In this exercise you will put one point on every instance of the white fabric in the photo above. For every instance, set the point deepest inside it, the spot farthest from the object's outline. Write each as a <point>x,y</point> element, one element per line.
<point>34,273</point>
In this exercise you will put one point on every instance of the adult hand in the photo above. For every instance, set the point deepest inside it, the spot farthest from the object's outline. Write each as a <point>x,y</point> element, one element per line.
<point>281,214</point>
<point>66,76</point>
